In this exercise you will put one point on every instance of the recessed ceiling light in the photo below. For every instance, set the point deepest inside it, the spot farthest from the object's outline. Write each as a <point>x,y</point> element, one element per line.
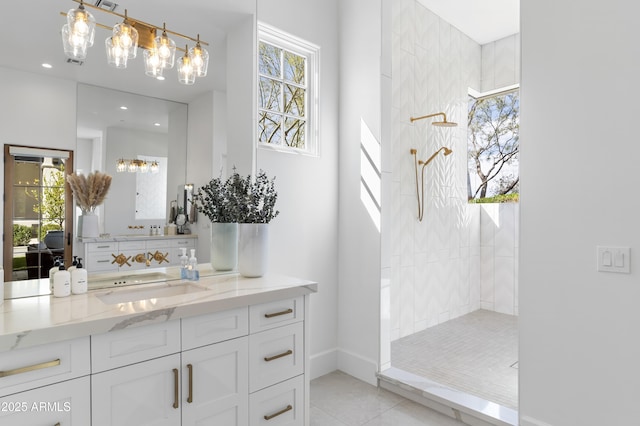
<point>123,107</point>
<point>156,124</point>
<point>48,66</point>
<point>160,77</point>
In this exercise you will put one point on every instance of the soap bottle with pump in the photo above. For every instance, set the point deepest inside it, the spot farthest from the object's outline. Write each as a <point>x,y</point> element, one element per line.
<point>193,273</point>
<point>79,278</point>
<point>184,263</point>
<point>61,282</point>
<point>53,270</point>
<point>74,265</point>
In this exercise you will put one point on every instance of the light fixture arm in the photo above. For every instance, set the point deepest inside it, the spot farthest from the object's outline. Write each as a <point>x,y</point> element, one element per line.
<point>133,21</point>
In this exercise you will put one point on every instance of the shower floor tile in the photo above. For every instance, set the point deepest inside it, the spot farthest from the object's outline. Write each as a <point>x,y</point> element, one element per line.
<point>474,353</point>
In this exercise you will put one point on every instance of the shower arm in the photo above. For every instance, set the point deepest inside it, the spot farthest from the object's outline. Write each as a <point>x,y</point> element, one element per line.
<point>444,116</point>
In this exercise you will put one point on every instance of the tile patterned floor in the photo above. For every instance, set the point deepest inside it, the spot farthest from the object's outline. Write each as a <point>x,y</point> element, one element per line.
<point>338,399</point>
<point>476,353</point>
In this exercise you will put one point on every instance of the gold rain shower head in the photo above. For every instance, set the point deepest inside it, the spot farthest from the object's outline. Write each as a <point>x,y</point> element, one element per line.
<point>443,123</point>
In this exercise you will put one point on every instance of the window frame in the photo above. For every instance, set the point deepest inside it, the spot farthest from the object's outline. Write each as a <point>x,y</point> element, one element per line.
<point>311,53</point>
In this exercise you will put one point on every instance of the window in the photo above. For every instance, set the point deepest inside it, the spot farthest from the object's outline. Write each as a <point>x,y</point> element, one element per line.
<point>287,89</point>
<point>493,146</point>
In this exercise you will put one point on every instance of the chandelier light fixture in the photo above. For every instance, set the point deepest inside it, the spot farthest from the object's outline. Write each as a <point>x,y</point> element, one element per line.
<point>159,51</point>
<point>137,166</point>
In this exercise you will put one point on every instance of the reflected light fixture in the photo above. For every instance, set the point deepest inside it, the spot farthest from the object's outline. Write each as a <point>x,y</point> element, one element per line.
<point>136,166</point>
<point>159,51</point>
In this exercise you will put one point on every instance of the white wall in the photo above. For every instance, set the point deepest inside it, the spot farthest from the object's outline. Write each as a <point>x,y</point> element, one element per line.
<point>359,252</point>
<point>303,238</point>
<point>500,63</point>
<point>579,349</point>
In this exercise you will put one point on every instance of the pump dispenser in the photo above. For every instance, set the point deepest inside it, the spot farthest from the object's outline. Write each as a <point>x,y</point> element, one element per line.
<point>79,279</point>
<point>61,282</point>
<point>53,270</point>
<point>184,263</point>
<point>192,270</point>
<point>74,265</point>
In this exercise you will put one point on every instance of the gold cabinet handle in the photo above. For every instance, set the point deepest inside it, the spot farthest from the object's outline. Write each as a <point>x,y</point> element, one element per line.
<point>277,314</point>
<point>190,397</point>
<point>284,410</point>
<point>176,385</point>
<point>57,424</point>
<point>283,354</point>
<point>35,367</point>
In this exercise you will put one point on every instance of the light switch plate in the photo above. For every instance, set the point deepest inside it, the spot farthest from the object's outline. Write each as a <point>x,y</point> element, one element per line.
<point>614,259</point>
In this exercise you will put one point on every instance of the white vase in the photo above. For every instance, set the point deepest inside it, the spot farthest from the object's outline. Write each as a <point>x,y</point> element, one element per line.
<point>224,246</point>
<point>90,228</point>
<point>253,249</point>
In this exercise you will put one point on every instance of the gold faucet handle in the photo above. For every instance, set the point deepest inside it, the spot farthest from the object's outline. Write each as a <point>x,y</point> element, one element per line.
<point>159,257</point>
<point>121,259</point>
<point>140,258</point>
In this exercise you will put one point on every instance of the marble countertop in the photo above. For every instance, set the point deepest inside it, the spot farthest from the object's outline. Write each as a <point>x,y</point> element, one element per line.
<point>134,237</point>
<point>37,320</point>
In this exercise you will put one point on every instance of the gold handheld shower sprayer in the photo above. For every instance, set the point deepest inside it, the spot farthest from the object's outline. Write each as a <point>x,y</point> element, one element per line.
<point>420,184</point>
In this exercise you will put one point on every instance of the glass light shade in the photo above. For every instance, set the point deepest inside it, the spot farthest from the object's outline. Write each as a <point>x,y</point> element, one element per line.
<point>132,167</point>
<point>152,63</point>
<point>126,37</point>
<point>143,166</point>
<point>73,47</point>
<point>186,72</point>
<point>121,166</point>
<point>166,50</point>
<point>155,167</point>
<point>116,56</point>
<point>199,60</point>
<point>82,25</point>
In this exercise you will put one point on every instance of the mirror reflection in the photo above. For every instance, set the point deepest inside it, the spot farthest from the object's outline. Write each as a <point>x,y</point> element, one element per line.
<point>131,137</point>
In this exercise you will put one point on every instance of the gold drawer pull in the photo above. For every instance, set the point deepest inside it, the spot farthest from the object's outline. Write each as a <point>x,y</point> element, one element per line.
<point>284,410</point>
<point>35,367</point>
<point>57,424</point>
<point>271,358</point>
<point>277,314</point>
<point>190,397</point>
<point>176,395</point>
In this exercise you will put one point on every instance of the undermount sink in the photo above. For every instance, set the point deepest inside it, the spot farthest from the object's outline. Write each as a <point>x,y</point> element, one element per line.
<point>133,295</point>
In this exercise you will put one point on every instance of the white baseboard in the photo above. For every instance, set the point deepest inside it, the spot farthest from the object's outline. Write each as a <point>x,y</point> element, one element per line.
<point>323,363</point>
<point>357,366</point>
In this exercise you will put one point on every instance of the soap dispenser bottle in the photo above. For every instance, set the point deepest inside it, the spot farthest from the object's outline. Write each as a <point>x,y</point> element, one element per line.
<point>61,282</point>
<point>192,269</point>
<point>74,265</point>
<point>53,270</point>
<point>79,279</point>
<point>184,263</point>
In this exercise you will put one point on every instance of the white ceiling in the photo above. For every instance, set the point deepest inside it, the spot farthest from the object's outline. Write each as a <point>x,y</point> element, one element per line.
<point>482,20</point>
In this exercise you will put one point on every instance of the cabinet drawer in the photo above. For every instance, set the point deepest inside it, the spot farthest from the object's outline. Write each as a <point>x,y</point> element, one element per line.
<point>275,355</point>
<point>211,328</point>
<point>128,346</point>
<point>100,261</point>
<point>131,245</point>
<point>281,404</point>
<point>184,242</point>
<point>111,246</point>
<point>158,244</point>
<point>66,403</point>
<point>275,314</point>
<point>42,365</point>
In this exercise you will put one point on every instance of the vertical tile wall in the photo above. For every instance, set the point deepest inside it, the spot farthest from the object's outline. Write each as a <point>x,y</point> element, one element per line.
<point>436,265</point>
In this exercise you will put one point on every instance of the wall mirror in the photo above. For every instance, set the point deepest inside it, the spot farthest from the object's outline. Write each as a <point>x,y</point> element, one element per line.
<point>116,128</point>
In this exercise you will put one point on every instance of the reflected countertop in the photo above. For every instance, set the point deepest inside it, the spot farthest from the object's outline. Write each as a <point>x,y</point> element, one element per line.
<point>134,237</point>
<point>35,320</point>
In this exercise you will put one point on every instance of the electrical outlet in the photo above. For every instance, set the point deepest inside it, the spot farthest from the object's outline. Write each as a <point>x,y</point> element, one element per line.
<point>614,259</point>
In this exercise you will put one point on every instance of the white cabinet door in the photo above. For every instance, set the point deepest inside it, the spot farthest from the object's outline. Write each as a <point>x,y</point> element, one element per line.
<point>65,403</point>
<point>215,384</point>
<point>141,394</point>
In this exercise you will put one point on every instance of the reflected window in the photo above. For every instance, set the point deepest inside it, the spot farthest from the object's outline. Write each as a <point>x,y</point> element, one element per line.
<point>151,190</point>
<point>287,109</point>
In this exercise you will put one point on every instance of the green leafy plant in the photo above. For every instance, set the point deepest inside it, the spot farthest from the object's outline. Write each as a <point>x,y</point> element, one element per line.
<point>238,199</point>
<point>21,235</point>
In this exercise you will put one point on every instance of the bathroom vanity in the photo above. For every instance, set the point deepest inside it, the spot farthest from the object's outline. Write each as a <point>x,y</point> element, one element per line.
<point>133,252</point>
<point>224,350</point>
